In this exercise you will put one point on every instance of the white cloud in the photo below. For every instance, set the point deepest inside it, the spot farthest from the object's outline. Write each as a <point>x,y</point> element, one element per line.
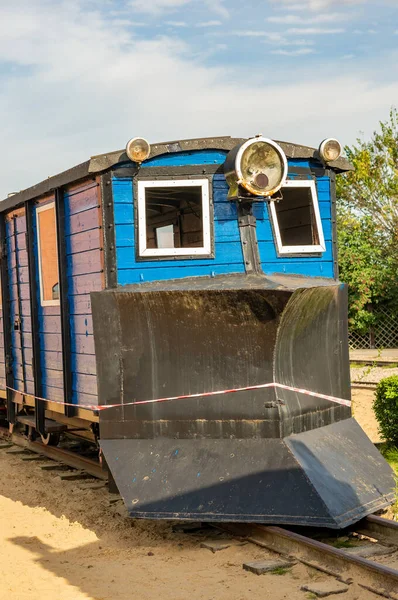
<point>316,5</point>
<point>252,33</point>
<point>157,6</point>
<point>218,7</point>
<point>298,52</point>
<point>314,31</point>
<point>209,24</point>
<point>300,20</point>
<point>83,86</point>
<point>176,23</point>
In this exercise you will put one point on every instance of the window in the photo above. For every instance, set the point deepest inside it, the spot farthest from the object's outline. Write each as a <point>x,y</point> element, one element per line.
<point>296,219</point>
<point>174,217</point>
<point>48,255</point>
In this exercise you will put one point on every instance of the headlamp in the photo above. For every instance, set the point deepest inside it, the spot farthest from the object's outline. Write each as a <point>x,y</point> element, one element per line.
<point>330,149</point>
<point>258,165</point>
<point>138,149</point>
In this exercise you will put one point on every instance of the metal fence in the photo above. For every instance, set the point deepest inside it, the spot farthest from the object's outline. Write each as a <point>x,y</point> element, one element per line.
<point>383,335</point>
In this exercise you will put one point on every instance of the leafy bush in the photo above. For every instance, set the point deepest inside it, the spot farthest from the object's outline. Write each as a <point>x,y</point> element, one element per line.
<point>386,408</point>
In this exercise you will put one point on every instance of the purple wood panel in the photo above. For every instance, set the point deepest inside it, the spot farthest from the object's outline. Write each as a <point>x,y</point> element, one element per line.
<point>25,292</point>
<point>84,344</point>
<point>80,305</point>
<point>86,399</point>
<point>22,258</point>
<point>82,199</point>
<point>25,307</point>
<point>85,275</point>
<point>51,341</point>
<point>84,363</point>
<point>81,242</point>
<point>53,393</point>
<point>23,275</point>
<point>50,324</point>
<point>84,284</point>
<point>85,262</point>
<point>82,324</point>
<point>18,372</point>
<point>83,221</point>
<point>87,384</point>
<point>52,359</point>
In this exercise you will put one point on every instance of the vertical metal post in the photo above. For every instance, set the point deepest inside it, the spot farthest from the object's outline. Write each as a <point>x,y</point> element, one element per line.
<point>108,229</point>
<point>333,199</point>
<point>6,320</point>
<point>64,301</point>
<point>34,315</point>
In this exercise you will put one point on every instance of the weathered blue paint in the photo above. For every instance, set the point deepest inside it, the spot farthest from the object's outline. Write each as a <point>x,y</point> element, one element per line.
<point>228,256</point>
<point>227,249</point>
<point>84,274</point>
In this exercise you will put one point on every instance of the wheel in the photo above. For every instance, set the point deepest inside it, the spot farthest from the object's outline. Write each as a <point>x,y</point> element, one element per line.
<point>50,439</point>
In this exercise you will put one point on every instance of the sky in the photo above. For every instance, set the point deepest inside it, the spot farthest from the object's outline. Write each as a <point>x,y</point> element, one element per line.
<point>81,77</point>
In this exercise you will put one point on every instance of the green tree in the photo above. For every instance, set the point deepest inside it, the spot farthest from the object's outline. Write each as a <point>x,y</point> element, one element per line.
<point>367,220</point>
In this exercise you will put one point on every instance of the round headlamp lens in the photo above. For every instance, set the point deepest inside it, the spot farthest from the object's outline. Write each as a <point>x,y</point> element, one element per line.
<point>262,168</point>
<point>330,149</point>
<point>138,149</point>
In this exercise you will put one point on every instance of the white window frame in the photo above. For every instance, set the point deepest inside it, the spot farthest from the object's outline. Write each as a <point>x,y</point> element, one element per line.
<point>41,209</point>
<point>307,249</point>
<point>205,250</point>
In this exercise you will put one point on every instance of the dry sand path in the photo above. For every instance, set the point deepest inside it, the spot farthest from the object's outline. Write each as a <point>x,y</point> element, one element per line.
<point>59,542</point>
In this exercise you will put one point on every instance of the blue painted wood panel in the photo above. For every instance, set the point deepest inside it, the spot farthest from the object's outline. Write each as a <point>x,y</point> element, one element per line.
<point>228,254</point>
<point>227,248</point>
<point>85,275</point>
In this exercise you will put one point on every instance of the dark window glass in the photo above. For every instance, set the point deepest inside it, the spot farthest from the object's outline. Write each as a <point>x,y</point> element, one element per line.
<point>174,217</point>
<point>296,219</point>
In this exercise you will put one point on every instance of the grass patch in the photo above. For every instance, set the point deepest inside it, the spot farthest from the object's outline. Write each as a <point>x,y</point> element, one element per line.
<point>280,571</point>
<point>343,544</point>
<point>311,596</point>
<point>392,365</point>
<point>390,453</point>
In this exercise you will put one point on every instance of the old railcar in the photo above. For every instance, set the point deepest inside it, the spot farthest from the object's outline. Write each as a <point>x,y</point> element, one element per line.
<point>181,305</point>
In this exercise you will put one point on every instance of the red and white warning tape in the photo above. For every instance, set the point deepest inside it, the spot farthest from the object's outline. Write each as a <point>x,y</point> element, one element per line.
<point>281,386</point>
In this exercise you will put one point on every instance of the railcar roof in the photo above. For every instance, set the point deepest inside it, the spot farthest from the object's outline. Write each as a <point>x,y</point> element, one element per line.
<point>104,162</point>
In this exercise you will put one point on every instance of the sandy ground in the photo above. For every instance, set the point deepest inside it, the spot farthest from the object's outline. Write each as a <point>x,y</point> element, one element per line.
<point>58,541</point>
<point>362,401</point>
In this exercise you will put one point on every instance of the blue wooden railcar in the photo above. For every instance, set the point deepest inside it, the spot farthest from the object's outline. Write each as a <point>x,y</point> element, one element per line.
<point>133,280</point>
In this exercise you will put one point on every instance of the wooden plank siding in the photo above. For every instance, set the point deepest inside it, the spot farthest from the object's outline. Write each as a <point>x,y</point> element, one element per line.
<point>228,256</point>
<point>2,351</point>
<point>310,266</point>
<point>49,321</point>
<point>21,354</point>
<point>85,274</point>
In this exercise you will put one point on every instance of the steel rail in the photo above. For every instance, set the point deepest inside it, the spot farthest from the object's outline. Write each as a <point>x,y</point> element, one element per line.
<point>382,580</point>
<point>379,528</point>
<point>66,457</point>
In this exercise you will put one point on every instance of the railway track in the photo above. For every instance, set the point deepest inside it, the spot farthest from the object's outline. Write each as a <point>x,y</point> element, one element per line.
<point>341,563</point>
<point>59,455</point>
